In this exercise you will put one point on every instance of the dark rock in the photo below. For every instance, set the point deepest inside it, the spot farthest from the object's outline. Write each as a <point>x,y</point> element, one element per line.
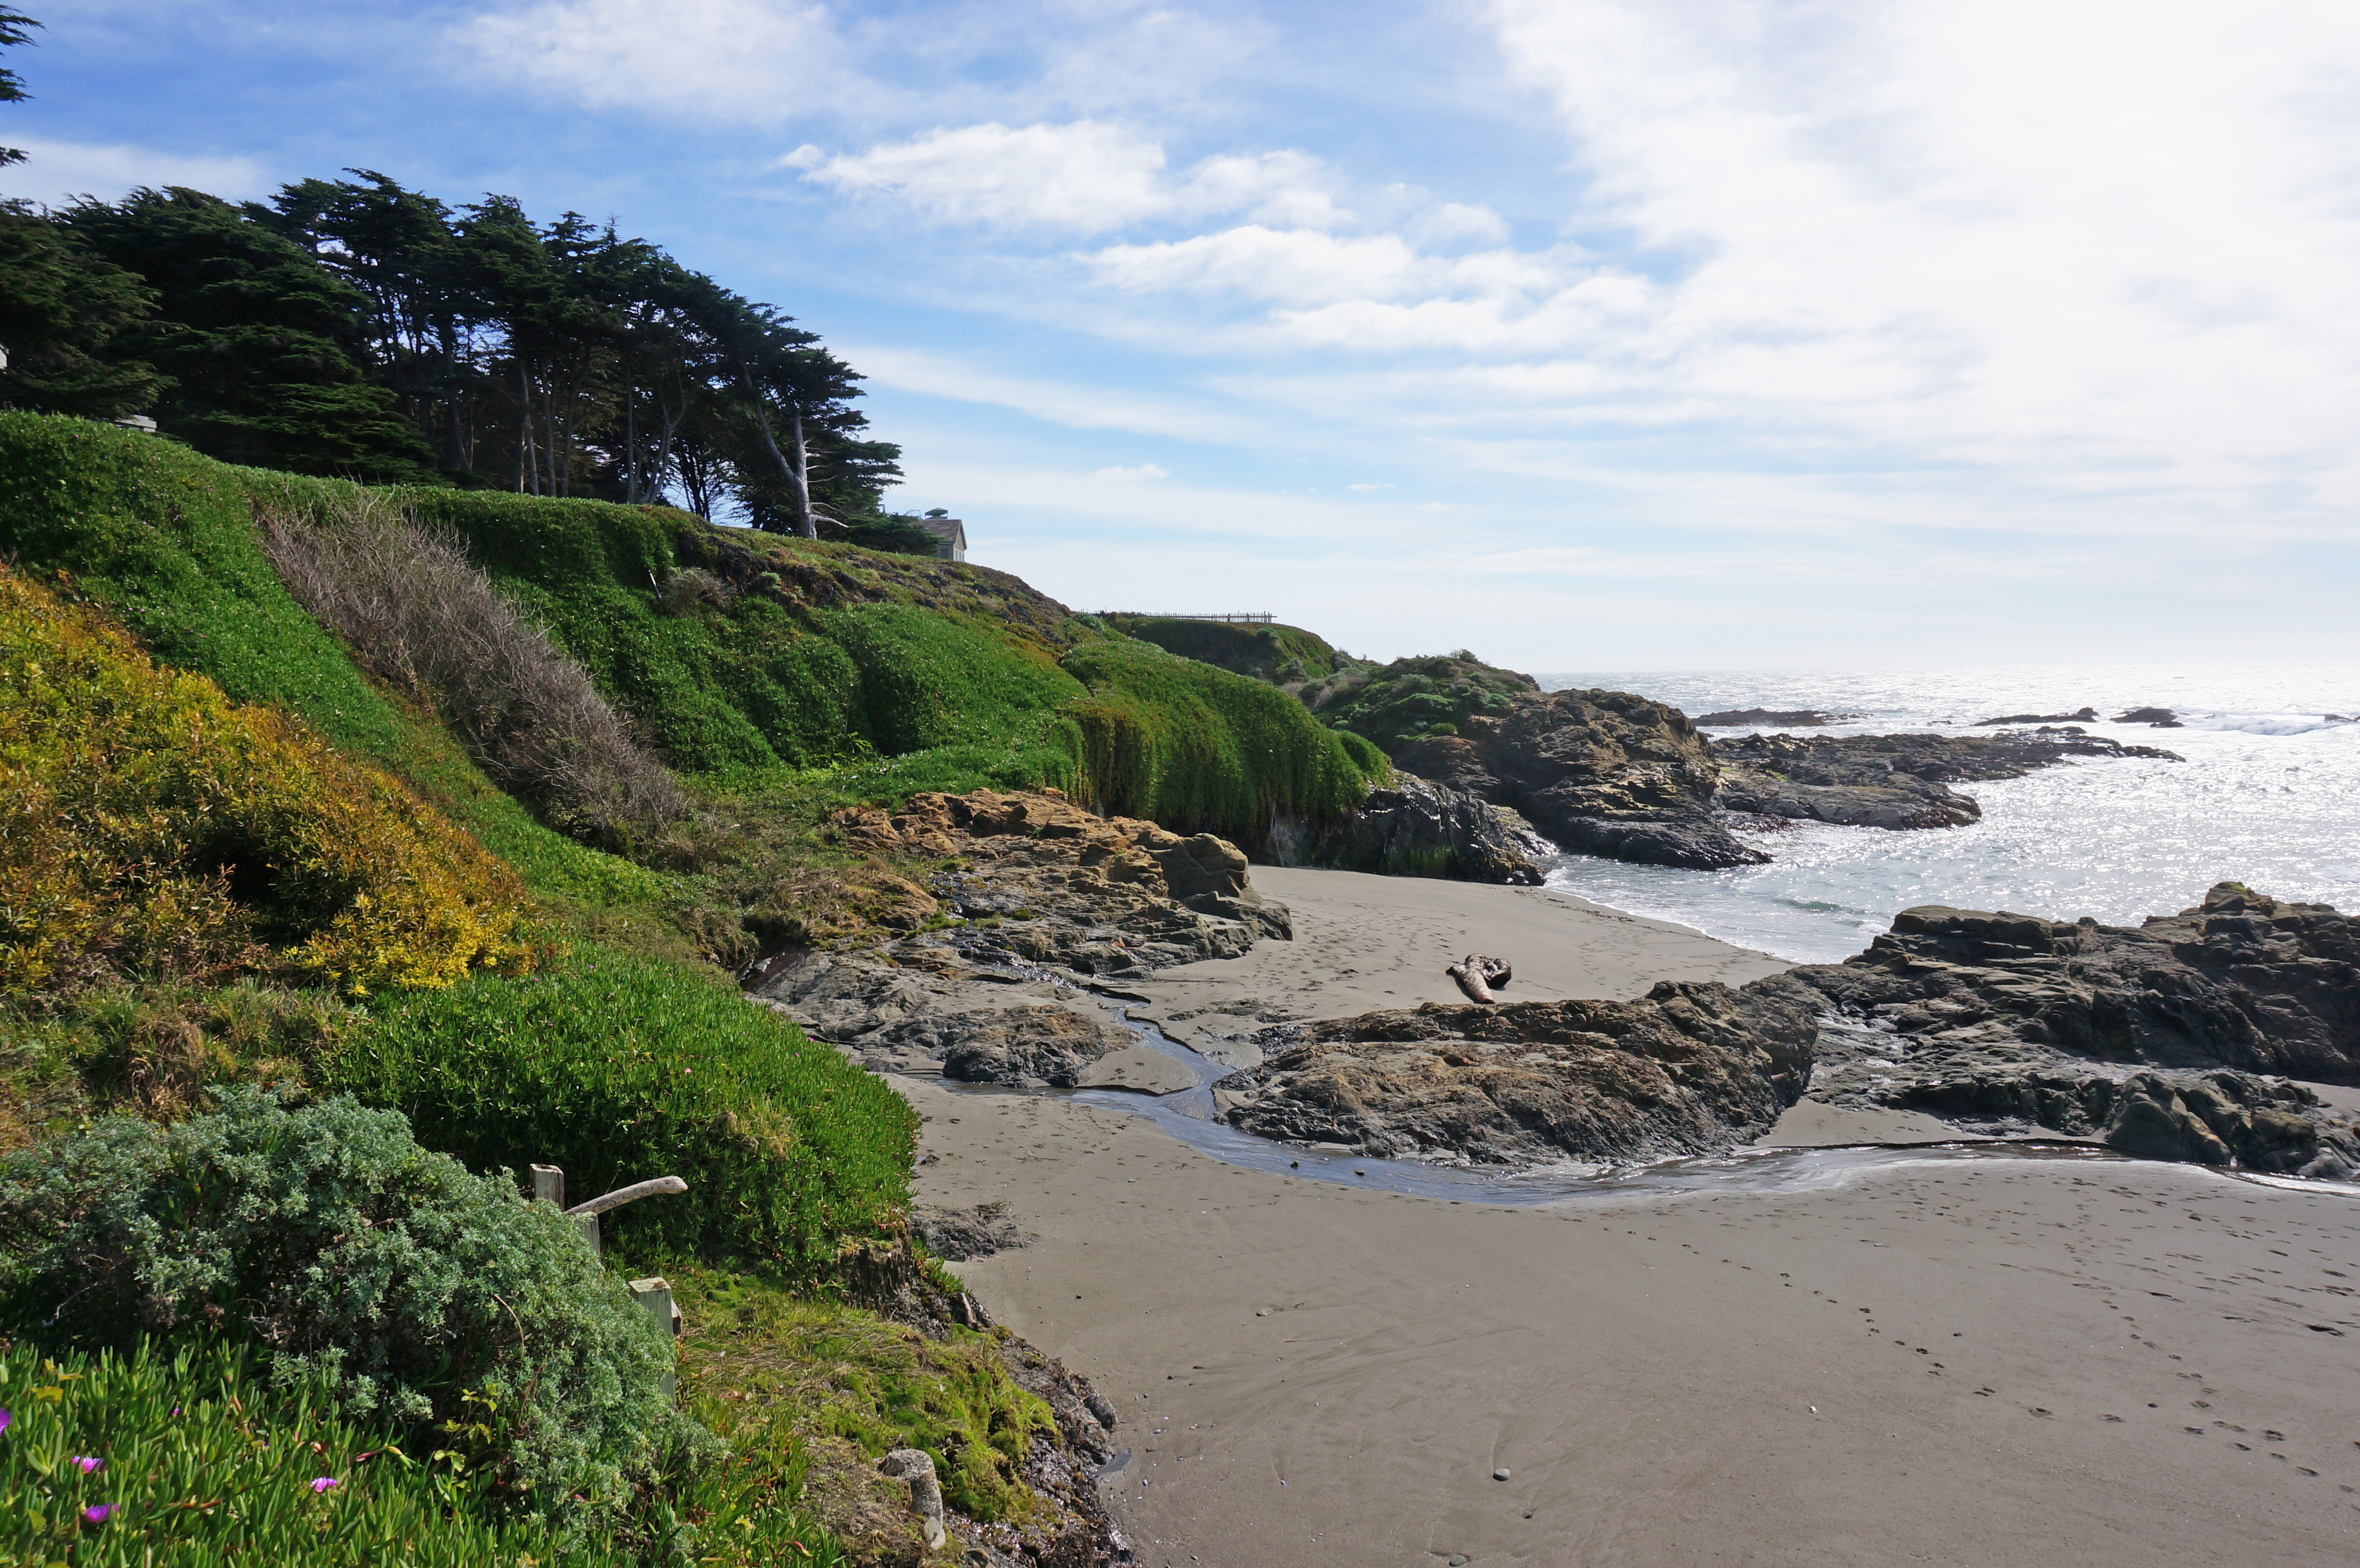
<point>1690,1069</point>
<point>2083,717</point>
<point>2158,718</point>
<point>1896,781</point>
<point>1731,718</point>
<point>958,1235</point>
<point>1602,773</point>
<point>2156,1039</point>
<point>1414,827</point>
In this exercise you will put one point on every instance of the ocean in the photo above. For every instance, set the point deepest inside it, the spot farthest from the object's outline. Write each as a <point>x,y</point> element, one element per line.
<point>2269,795</point>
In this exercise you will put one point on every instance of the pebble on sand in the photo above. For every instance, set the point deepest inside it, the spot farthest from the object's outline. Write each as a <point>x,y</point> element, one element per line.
<point>1500,1475</point>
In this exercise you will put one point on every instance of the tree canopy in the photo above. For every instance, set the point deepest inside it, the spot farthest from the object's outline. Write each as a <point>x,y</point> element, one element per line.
<point>353,326</point>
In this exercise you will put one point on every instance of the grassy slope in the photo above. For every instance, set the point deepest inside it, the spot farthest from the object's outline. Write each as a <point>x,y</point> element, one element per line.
<point>1278,654</point>
<point>166,540</point>
<point>833,673</point>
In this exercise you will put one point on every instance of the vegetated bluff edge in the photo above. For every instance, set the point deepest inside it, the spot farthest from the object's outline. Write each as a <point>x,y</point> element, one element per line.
<point>596,1027</point>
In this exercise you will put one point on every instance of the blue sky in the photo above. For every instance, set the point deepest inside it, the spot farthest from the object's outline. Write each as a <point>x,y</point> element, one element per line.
<point>1588,333</point>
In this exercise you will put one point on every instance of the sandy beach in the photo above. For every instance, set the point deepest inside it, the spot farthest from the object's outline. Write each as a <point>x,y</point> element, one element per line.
<point>1988,1361</point>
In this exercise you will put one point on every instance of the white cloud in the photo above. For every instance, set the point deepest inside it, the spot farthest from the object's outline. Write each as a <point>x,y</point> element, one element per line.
<point>751,60</point>
<point>57,172</point>
<point>1079,405</point>
<point>1086,177</point>
<point>1447,223</point>
<point>2101,242</point>
<point>1133,475</point>
<point>1370,489</point>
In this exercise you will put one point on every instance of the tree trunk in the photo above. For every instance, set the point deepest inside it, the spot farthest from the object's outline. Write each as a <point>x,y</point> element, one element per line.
<point>805,524</point>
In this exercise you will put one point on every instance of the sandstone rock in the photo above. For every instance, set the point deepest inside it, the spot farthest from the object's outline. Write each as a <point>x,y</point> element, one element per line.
<point>1690,1069</point>
<point>1414,827</point>
<point>1602,773</point>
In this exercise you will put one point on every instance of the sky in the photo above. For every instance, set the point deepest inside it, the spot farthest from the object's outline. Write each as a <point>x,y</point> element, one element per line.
<point>1588,335</point>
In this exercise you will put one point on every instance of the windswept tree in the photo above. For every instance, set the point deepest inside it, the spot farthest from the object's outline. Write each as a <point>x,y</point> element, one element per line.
<point>259,343</point>
<point>354,326</point>
<point>16,30</point>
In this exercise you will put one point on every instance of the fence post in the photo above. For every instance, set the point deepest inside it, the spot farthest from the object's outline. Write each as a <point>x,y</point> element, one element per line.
<point>549,1184</point>
<point>654,1294</point>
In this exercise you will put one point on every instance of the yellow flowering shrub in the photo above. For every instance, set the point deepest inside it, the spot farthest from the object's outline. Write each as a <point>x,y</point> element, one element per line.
<point>149,825</point>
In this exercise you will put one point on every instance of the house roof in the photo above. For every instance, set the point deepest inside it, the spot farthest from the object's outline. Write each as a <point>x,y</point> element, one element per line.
<point>951,530</point>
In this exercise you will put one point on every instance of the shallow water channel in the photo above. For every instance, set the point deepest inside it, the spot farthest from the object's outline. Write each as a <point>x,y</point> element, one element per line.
<point>1188,1116</point>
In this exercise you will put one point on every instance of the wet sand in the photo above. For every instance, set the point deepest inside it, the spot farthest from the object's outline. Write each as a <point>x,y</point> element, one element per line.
<point>2092,1362</point>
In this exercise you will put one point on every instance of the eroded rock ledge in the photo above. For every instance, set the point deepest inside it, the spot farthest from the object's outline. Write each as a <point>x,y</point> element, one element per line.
<point>1012,967</point>
<point>2174,1039</point>
<point>1689,1069</point>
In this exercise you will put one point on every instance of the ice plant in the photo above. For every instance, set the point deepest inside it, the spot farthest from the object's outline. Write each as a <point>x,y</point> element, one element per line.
<point>87,1463</point>
<point>321,1483</point>
<point>96,1513</point>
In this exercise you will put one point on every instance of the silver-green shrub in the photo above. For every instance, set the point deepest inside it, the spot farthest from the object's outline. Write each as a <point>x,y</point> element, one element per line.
<point>328,1235</point>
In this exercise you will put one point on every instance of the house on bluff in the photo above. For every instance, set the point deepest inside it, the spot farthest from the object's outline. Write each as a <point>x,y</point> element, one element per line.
<point>950,534</point>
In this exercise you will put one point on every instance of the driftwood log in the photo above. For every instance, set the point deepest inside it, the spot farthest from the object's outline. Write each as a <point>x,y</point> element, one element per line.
<point>1477,976</point>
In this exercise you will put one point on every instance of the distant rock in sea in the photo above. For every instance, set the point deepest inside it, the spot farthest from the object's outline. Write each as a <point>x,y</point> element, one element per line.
<point>2082,716</point>
<point>1797,718</point>
<point>1896,781</point>
<point>2154,718</point>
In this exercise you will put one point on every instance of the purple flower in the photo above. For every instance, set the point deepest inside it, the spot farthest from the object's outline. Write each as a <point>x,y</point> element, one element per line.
<point>88,1464</point>
<point>324,1483</point>
<point>4,1419</point>
<point>96,1513</point>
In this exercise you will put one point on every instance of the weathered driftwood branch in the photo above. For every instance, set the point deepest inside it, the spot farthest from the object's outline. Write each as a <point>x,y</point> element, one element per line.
<point>631,1195</point>
<point>1477,975</point>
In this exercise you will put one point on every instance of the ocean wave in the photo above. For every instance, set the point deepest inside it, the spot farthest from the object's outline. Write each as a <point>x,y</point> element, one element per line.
<point>2263,723</point>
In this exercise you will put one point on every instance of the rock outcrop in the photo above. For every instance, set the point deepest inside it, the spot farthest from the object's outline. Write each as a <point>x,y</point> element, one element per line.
<point>1414,827</point>
<point>2172,1039</point>
<point>1896,781</point>
<point>1788,718</point>
<point>1690,1069</point>
<point>1599,772</point>
<point>1039,899</point>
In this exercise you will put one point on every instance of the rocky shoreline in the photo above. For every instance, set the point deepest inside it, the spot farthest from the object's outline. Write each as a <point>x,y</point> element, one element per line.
<point>2191,1038</point>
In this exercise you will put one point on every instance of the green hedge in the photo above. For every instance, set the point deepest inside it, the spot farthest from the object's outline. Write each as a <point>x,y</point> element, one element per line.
<point>618,1068</point>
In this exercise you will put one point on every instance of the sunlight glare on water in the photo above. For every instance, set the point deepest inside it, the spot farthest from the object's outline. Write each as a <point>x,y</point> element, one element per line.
<point>2269,795</point>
